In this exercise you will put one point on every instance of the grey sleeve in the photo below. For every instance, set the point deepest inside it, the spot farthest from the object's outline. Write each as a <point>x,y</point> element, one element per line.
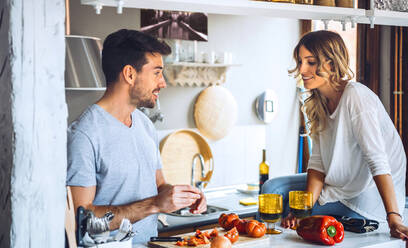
<point>81,160</point>
<point>159,162</point>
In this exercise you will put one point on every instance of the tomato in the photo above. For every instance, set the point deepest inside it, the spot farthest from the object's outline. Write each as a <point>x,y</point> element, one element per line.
<point>193,241</point>
<point>214,233</point>
<point>181,243</point>
<point>221,219</point>
<point>226,220</point>
<point>240,225</point>
<point>232,235</point>
<point>255,229</point>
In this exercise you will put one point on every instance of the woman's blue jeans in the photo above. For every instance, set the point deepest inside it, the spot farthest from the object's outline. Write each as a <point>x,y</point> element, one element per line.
<point>282,185</point>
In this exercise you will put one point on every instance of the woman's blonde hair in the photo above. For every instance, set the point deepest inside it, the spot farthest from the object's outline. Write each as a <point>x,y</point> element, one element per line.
<point>326,47</point>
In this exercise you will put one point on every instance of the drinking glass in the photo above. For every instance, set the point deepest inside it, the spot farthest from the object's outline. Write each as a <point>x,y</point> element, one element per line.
<point>300,203</point>
<point>270,210</point>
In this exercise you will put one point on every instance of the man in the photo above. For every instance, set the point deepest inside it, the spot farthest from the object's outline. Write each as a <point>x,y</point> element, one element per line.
<point>113,158</point>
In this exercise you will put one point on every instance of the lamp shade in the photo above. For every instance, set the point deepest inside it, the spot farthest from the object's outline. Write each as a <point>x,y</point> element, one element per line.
<point>83,63</point>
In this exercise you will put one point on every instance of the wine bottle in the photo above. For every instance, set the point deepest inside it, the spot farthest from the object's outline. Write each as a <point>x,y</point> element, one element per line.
<point>263,170</point>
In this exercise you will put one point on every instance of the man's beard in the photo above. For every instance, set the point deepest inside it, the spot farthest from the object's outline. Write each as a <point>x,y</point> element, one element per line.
<point>141,100</point>
<point>146,103</point>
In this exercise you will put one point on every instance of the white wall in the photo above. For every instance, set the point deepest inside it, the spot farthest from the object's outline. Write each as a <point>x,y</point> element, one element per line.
<point>263,46</point>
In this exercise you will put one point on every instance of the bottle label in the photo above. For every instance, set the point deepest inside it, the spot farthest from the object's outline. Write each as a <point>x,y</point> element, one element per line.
<point>262,179</point>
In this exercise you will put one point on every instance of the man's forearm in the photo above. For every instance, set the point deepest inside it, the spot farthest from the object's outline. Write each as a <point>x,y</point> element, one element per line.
<point>134,211</point>
<point>163,187</point>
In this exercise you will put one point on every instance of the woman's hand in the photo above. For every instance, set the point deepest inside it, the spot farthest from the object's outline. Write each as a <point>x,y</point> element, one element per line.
<point>289,221</point>
<point>397,228</point>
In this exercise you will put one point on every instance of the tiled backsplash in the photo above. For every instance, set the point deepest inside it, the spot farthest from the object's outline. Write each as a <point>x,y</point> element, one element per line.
<point>236,156</point>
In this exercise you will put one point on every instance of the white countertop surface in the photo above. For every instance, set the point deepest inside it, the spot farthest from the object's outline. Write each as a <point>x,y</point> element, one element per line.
<point>379,238</point>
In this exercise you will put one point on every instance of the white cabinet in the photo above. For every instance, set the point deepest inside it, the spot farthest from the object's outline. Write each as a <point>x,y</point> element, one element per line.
<point>258,8</point>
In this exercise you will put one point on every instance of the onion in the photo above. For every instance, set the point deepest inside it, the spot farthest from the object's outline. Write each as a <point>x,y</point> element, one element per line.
<point>221,242</point>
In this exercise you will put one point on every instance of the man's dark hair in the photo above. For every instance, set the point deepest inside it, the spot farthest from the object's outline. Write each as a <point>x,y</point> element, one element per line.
<point>128,47</point>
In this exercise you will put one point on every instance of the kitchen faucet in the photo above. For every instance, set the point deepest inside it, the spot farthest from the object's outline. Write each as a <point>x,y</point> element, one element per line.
<point>200,183</point>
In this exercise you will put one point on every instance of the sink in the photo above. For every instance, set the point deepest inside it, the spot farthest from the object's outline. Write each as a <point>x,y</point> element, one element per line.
<point>185,212</point>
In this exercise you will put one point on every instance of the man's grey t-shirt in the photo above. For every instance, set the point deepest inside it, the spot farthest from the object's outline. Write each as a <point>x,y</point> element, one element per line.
<point>120,161</point>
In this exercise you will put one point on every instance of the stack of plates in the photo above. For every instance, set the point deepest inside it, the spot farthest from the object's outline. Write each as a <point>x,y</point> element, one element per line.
<point>250,188</point>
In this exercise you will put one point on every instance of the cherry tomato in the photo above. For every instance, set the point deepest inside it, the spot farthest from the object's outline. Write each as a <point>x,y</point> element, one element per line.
<point>232,235</point>
<point>226,220</point>
<point>221,219</point>
<point>255,229</point>
<point>240,225</point>
<point>214,233</point>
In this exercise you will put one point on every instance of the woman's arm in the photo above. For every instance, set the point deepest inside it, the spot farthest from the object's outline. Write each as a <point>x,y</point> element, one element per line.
<point>386,188</point>
<point>314,184</point>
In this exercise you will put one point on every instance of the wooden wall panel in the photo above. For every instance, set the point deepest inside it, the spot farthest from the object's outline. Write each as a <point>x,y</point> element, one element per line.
<point>6,128</point>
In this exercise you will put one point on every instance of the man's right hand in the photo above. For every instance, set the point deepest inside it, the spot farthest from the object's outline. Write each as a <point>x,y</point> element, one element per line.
<point>289,221</point>
<point>174,197</point>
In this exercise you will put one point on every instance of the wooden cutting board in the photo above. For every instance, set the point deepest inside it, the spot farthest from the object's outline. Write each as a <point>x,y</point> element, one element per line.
<point>243,240</point>
<point>177,151</point>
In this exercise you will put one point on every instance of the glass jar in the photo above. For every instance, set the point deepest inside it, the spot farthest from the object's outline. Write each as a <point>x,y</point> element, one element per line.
<point>305,1</point>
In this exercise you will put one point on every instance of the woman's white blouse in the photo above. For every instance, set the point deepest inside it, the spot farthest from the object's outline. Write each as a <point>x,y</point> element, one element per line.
<point>359,142</point>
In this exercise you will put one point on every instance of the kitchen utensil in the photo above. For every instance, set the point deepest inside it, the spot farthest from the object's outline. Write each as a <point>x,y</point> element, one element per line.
<point>98,228</point>
<point>243,241</point>
<point>177,151</point>
<point>163,220</point>
<point>166,239</point>
<point>81,225</point>
<point>215,112</point>
<point>124,228</point>
<point>70,220</point>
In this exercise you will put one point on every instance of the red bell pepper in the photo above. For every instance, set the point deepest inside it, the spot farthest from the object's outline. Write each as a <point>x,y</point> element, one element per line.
<point>321,229</point>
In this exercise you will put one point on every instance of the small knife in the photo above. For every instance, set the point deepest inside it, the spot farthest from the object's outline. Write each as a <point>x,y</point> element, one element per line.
<point>165,239</point>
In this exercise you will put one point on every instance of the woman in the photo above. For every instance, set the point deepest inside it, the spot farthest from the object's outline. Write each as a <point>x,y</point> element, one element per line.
<point>358,161</point>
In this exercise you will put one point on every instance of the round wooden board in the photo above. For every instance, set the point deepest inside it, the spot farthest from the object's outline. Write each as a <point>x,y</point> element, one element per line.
<point>215,112</point>
<point>177,151</point>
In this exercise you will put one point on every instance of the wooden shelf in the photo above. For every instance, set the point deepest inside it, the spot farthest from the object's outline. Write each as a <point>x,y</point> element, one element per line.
<point>261,8</point>
<point>386,17</point>
<point>239,7</point>
<point>196,74</point>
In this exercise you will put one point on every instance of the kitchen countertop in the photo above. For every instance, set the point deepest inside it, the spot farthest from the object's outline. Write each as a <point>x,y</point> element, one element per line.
<point>379,238</point>
<point>288,239</point>
<point>226,197</point>
<point>229,198</point>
